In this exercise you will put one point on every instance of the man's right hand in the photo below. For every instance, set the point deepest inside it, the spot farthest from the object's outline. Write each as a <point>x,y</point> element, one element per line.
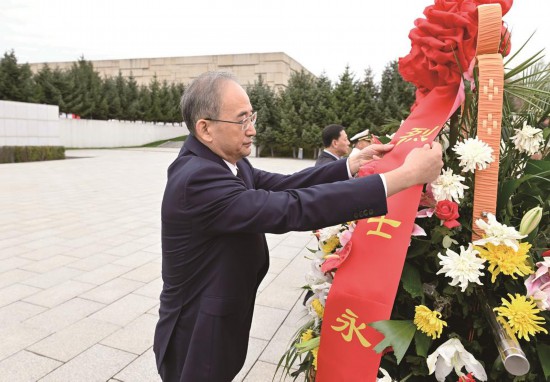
<point>422,165</point>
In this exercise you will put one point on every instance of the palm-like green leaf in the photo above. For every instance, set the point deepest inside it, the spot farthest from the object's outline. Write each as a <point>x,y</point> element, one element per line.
<point>397,333</point>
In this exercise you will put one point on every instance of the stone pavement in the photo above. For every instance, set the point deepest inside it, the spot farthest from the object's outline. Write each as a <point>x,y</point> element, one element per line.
<point>80,263</point>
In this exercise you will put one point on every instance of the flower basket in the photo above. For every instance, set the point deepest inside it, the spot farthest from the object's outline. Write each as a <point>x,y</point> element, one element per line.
<point>473,302</point>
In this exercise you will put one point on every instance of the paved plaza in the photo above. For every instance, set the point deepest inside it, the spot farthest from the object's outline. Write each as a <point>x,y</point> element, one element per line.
<point>80,263</point>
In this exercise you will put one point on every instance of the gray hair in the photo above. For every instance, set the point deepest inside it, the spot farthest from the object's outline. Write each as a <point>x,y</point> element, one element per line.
<point>202,99</point>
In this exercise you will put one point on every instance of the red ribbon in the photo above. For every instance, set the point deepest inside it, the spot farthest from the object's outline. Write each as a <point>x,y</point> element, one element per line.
<point>367,282</point>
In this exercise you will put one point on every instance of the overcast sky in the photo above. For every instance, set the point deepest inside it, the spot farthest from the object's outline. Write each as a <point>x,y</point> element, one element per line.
<point>324,36</point>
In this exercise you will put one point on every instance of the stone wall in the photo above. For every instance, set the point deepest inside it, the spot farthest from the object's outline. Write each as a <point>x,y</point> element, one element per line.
<point>275,68</point>
<point>30,124</point>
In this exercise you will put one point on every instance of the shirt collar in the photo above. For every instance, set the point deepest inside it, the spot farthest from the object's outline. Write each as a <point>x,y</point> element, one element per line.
<point>328,152</point>
<point>232,167</point>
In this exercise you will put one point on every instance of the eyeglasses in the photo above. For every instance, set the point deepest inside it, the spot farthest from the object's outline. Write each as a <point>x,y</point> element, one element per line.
<point>246,123</point>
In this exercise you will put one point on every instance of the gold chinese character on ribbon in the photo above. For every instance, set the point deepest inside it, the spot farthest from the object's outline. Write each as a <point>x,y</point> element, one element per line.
<point>381,221</point>
<point>348,320</point>
<point>417,134</point>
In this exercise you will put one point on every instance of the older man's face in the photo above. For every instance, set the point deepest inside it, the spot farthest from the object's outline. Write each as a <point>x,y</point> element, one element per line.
<point>229,140</point>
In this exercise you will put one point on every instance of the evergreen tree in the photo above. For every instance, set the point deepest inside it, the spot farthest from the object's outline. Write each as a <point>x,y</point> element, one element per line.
<point>111,99</point>
<point>16,83</point>
<point>48,89</point>
<point>396,96</point>
<point>144,104</point>
<point>121,94</point>
<point>177,91</point>
<point>84,96</point>
<point>348,105</point>
<point>132,96</point>
<point>264,101</point>
<point>298,109</point>
<point>154,113</point>
<point>324,114</point>
<point>370,115</point>
<point>167,102</point>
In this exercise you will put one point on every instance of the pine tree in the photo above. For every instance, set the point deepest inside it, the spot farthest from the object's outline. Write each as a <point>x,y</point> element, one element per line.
<point>48,89</point>
<point>132,97</point>
<point>121,91</point>
<point>370,114</point>
<point>166,102</point>
<point>112,99</point>
<point>298,109</point>
<point>264,102</point>
<point>154,113</point>
<point>16,83</point>
<point>347,103</point>
<point>84,96</point>
<point>177,91</point>
<point>396,96</point>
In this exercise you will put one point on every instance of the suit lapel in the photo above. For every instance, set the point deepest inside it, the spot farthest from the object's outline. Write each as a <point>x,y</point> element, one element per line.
<point>193,146</point>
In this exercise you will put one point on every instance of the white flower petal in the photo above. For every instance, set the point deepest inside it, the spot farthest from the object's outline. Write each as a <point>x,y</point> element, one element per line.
<point>448,186</point>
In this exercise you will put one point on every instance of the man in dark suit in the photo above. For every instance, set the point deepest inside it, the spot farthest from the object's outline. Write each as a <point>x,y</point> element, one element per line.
<point>335,142</point>
<point>215,211</point>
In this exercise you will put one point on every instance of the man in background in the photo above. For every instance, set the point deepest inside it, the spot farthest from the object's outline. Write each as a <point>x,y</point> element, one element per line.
<point>335,142</point>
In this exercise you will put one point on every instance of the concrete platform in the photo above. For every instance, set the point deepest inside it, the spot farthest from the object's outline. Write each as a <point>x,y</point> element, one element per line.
<point>80,262</point>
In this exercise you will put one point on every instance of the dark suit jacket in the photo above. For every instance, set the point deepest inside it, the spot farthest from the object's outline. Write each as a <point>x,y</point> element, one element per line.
<point>325,158</point>
<point>214,253</point>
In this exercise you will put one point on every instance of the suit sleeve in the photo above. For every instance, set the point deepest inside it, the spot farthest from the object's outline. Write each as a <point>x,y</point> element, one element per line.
<point>215,201</point>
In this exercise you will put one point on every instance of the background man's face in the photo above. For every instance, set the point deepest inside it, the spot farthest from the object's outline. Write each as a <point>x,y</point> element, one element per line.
<point>341,145</point>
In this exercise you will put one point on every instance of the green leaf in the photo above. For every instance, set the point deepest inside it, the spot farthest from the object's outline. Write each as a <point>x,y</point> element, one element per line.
<point>537,167</point>
<point>398,334</point>
<point>422,343</point>
<point>411,280</point>
<point>544,357</point>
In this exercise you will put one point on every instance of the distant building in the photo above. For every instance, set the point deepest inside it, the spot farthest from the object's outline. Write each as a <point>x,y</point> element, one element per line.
<point>275,68</point>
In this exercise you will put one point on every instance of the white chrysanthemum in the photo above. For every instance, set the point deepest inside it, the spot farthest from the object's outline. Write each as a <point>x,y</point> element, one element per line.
<point>463,268</point>
<point>497,234</point>
<point>528,140</point>
<point>448,186</point>
<point>452,355</point>
<point>474,154</point>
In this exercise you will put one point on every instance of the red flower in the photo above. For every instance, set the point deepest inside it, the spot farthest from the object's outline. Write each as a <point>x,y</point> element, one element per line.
<point>447,211</point>
<point>467,378</point>
<point>337,259</point>
<point>546,253</point>
<point>443,44</point>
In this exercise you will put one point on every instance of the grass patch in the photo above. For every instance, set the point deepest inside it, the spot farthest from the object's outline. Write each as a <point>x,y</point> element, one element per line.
<point>158,143</point>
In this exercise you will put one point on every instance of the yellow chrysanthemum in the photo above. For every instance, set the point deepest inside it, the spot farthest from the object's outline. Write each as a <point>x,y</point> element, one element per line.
<point>306,336</point>
<point>318,307</point>
<point>504,259</point>
<point>428,321</point>
<point>520,316</point>
<point>329,245</point>
<point>314,352</point>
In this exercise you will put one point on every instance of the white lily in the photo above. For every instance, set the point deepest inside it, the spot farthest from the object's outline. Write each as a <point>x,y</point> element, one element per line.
<point>452,355</point>
<point>497,233</point>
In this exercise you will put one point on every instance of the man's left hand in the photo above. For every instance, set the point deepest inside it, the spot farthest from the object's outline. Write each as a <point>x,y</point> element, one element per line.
<point>371,152</point>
